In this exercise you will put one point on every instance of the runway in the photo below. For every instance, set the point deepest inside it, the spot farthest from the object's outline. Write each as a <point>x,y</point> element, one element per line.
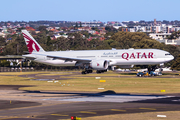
<point>17,104</point>
<point>46,105</point>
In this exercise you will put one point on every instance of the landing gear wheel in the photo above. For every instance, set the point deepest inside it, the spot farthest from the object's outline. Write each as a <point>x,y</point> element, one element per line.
<point>83,72</point>
<point>98,71</point>
<point>90,71</point>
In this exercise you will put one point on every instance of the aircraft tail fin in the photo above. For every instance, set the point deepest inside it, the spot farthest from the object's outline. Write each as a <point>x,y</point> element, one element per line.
<point>31,43</point>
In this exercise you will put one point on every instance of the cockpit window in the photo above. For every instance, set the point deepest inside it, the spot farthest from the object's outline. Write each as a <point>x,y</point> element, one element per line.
<point>167,54</point>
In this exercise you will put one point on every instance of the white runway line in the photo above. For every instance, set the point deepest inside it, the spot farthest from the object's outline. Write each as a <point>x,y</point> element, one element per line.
<point>101,88</point>
<point>49,81</point>
<point>161,115</point>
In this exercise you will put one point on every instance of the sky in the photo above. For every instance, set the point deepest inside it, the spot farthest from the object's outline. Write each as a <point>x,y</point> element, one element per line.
<point>89,10</point>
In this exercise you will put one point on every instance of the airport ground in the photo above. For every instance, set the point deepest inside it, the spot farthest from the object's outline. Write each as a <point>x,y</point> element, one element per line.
<point>111,95</point>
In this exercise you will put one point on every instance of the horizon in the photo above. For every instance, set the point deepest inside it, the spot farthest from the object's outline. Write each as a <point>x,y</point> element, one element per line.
<point>91,21</point>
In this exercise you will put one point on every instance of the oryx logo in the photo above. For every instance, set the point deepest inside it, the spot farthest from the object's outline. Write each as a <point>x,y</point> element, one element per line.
<point>31,45</point>
<point>97,64</point>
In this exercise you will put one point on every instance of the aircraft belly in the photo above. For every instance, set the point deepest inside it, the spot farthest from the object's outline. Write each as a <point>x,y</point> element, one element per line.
<point>138,61</point>
<point>149,61</point>
<point>125,62</point>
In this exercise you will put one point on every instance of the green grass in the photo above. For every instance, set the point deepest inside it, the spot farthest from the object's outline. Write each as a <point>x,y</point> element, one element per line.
<point>90,84</point>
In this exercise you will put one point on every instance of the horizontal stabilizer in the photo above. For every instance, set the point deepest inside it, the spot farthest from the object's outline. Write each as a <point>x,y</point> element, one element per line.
<point>11,57</point>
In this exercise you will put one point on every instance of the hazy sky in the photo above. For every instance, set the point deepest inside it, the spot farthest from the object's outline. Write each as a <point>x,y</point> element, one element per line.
<point>88,10</point>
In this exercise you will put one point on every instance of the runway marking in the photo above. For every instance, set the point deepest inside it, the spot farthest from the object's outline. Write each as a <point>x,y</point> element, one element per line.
<point>100,88</point>
<point>118,110</point>
<point>59,115</point>
<point>88,112</point>
<point>148,108</point>
<point>161,115</point>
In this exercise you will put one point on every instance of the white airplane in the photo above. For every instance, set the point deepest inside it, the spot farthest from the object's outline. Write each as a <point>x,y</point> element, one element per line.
<point>94,59</point>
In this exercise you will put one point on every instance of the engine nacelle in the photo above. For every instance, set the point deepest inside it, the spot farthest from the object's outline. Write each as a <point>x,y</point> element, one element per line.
<point>99,64</point>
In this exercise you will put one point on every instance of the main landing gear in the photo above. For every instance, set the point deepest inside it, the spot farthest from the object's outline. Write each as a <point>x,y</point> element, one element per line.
<point>87,71</point>
<point>90,71</point>
<point>101,71</point>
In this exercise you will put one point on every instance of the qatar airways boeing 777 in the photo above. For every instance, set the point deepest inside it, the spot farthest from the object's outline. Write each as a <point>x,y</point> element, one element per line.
<point>94,59</point>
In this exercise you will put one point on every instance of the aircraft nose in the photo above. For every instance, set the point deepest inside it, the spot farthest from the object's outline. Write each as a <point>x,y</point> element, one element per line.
<point>169,58</point>
<point>172,57</point>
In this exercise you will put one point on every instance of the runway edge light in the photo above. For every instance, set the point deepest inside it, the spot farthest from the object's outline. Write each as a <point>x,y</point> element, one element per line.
<point>75,118</point>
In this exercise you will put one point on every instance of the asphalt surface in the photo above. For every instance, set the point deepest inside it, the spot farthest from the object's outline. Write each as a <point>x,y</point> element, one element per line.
<point>28,110</point>
<point>54,105</point>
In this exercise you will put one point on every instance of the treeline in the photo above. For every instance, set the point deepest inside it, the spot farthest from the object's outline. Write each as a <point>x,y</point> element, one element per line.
<point>77,41</point>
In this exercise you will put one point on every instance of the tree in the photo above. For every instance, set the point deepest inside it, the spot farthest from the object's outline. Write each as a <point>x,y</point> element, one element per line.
<point>108,35</point>
<point>48,41</point>
<point>174,35</point>
<point>103,45</point>
<point>174,50</point>
<point>176,64</point>
<point>148,43</point>
<point>42,28</point>
<point>127,39</point>
<point>94,43</point>
<point>41,37</point>
<point>62,43</point>
<point>95,28</point>
<point>85,33</point>
<point>110,29</point>
<point>2,41</point>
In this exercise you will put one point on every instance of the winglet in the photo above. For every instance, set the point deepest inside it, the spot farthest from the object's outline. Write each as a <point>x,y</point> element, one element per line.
<point>31,43</point>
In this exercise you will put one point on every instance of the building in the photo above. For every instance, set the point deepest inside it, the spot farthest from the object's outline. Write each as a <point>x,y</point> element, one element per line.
<point>159,36</point>
<point>2,34</point>
<point>91,24</point>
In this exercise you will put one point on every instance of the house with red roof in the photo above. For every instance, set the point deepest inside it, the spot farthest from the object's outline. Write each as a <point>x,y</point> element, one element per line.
<point>30,29</point>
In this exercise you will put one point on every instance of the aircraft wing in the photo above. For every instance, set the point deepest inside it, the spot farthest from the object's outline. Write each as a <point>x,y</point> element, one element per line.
<point>65,58</point>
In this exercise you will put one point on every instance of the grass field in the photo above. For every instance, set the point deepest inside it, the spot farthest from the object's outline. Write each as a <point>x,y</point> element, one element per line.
<point>114,81</point>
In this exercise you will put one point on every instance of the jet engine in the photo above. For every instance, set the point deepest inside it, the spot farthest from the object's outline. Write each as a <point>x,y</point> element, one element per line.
<point>99,64</point>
